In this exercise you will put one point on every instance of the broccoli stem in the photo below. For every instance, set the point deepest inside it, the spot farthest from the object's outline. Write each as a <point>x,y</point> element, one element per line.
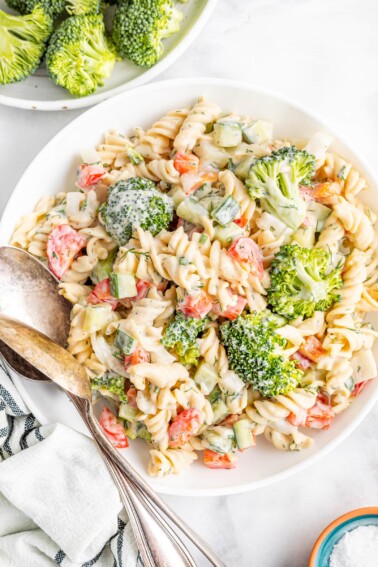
<point>173,25</point>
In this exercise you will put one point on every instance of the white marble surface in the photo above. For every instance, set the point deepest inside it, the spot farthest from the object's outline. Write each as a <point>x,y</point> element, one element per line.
<point>324,54</point>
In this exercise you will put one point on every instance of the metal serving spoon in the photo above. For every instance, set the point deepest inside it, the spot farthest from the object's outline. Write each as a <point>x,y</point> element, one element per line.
<point>158,545</point>
<point>28,291</point>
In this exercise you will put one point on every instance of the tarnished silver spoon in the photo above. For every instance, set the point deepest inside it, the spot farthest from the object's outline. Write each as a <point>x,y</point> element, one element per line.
<point>38,285</point>
<point>158,545</point>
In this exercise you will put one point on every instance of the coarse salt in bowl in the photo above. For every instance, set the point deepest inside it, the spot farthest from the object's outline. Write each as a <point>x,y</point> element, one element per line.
<point>345,552</point>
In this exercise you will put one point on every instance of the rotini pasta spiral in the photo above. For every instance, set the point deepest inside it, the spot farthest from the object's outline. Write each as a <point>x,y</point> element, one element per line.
<point>356,222</point>
<point>113,150</point>
<point>330,238</point>
<point>194,125</point>
<point>264,413</point>
<point>293,440</point>
<point>170,461</point>
<point>335,168</point>
<point>157,141</point>
<point>28,223</point>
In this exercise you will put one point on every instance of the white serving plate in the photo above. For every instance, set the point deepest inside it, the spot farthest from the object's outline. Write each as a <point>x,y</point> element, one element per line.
<point>53,170</point>
<point>39,92</point>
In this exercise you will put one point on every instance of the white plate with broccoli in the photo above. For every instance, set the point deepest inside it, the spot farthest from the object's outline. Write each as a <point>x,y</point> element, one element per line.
<point>83,76</point>
<point>262,464</point>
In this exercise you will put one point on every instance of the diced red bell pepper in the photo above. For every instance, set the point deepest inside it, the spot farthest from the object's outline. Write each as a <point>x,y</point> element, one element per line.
<point>63,244</point>
<point>242,222</point>
<point>186,163</point>
<point>245,250</point>
<point>101,294</point>
<point>302,361</point>
<point>312,348</point>
<point>214,460</point>
<point>113,429</point>
<point>88,174</point>
<point>139,355</point>
<point>197,305</point>
<point>131,397</point>
<point>359,387</point>
<point>232,311</point>
<point>183,427</point>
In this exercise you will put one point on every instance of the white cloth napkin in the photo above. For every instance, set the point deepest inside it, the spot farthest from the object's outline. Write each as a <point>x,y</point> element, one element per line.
<point>58,504</point>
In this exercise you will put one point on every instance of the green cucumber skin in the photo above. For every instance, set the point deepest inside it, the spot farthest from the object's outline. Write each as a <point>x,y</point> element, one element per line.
<point>227,211</point>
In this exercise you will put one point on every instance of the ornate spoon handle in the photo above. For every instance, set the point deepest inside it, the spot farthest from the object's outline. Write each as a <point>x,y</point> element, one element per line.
<point>158,544</point>
<point>149,494</point>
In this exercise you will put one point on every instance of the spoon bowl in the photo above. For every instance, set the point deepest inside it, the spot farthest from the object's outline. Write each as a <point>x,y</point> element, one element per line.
<point>46,356</point>
<point>28,293</point>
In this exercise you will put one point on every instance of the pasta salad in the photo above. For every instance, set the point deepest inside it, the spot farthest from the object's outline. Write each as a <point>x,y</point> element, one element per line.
<point>220,280</point>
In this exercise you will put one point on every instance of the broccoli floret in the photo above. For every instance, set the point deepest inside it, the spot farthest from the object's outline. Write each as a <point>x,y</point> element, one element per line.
<point>275,181</point>
<point>51,7</point>
<point>303,281</point>
<point>80,7</point>
<point>56,8</point>
<point>135,202</point>
<point>22,43</point>
<point>79,56</point>
<point>140,25</point>
<point>181,335</point>
<point>110,383</point>
<point>252,347</point>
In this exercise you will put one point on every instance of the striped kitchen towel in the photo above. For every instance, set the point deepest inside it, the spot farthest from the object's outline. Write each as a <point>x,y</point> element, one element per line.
<point>58,504</point>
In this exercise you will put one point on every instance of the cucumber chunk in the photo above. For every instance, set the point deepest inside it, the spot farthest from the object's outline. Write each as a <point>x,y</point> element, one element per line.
<point>227,134</point>
<point>122,285</point>
<point>228,209</point>
<point>258,132</point>
<point>135,430</point>
<point>127,412</point>
<point>124,342</point>
<point>192,211</point>
<point>220,410</point>
<point>304,236</point>
<point>177,195</point>
<point>321,213</point>
<point>211,155</point>
<point>103,268</point>
<point>96,317</point>
<point>243,434</point>
<point>219,439</point>
<point>206,378</point>
<point>227,234</point>
<point>242,169</point>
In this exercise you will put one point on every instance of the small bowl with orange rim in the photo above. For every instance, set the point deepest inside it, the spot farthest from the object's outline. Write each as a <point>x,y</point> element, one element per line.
<point>324,545</point>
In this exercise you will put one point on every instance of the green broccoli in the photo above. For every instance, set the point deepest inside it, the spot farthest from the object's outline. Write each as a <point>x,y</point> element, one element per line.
<point>51,7</point>
<point>135,202</point>
<point>275,181</point>
<point>110,384</point>
<point>303,281</point>
<point>253,347</point>
<point>80,7</point>
<point>140,25</point>
<point>79,56</point>
<point>22,43</point>
<point>181,335</point>
<point>56,8</point>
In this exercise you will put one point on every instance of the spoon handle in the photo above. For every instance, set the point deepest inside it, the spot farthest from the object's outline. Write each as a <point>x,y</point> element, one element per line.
<point>158,544</point>
<point>150,495</point>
